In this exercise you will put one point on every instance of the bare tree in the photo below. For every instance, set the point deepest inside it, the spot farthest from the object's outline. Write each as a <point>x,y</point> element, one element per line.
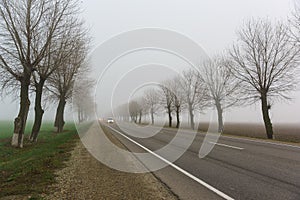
<point>194,92</point>
<point>142,107</point>
<point>151,99</point>
<point>134,110</point>
<point>295,21</point>
<point>167,100</point>
<point>266,62</point>
<point>27,28</point>
<point>122,112</point>
<point>178,97</point>
<point>60,48</point>
<point>223,87</point>
<point>82,98</point>
<point>61,81</point>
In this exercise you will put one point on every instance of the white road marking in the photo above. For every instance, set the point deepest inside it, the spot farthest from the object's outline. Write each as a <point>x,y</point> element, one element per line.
<point>225,145</point>
<point>218,192</point>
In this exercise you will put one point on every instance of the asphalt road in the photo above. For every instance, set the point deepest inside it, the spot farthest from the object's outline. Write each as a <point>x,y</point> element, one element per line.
<point>239,168</point>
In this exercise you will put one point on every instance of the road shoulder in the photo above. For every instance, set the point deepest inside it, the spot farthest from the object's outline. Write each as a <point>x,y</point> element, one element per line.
<point>87,178</point>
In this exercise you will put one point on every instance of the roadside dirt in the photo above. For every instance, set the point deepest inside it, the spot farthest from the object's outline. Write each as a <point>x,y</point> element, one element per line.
<point>86,178</point>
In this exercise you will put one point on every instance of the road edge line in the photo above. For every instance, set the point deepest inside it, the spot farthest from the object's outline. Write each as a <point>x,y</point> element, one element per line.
<point>211,188</point>
<point>226,145</point>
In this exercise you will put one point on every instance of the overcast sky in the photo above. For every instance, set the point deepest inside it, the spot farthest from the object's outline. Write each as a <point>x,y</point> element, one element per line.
<point>210,23</point>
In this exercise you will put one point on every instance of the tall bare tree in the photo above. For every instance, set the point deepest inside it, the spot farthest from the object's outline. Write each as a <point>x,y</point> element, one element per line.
<point>151,99</point>
<point>178,97</point>
<point>27,28</point>
<point>142,108</point>
<point>194,92</point>
<point>167,100</point>
<point>223,87</point>
<point>82,98</point>
<point>60,48</point>
<point>61,81</point>
<point>122,112</point>
<point>134,110</point>
<point>265,61</point>
<point>295,21</point>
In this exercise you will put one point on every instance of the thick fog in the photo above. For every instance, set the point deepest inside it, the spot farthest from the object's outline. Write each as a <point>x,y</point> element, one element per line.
<point>212,24</point>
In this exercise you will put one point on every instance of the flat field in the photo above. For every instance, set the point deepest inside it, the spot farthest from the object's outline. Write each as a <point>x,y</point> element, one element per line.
<point>282,132</point>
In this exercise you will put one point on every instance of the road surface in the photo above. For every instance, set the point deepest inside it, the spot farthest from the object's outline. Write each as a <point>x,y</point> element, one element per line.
<point>236,168</point>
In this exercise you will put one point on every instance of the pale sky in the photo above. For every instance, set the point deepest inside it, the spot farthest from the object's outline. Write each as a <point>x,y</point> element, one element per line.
<point>210,23</point>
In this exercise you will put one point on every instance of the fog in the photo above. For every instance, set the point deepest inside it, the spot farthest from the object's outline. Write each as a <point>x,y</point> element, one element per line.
<point>212,24</point>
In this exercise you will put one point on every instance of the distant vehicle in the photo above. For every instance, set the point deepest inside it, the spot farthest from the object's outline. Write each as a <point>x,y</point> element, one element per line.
<point>110,120</point>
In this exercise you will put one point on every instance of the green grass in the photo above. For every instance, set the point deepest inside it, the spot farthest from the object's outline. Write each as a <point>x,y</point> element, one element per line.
<point>6,129</point>
<point>29,170</point>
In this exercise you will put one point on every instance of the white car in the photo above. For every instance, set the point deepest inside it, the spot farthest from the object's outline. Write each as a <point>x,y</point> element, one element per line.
<point>110,120</point>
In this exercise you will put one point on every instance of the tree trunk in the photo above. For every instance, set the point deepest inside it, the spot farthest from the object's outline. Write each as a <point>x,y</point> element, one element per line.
<point>79,115</point>
<point>266,116</point>
<point>20,121</point>
<point>191,117</point>
<point>220,117</point>
<point>39,112</point>
<point>135,118</point>
<point>140,117</point>
<point>59,118</point>
<point>170,116</point>
<point>152,116</point>
<point>178,116</point>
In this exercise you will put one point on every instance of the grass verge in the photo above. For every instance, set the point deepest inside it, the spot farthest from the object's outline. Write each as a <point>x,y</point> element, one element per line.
<point>30,170</point>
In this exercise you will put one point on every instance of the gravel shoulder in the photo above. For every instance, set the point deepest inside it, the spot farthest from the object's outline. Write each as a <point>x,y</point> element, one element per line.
<point>87,178</point>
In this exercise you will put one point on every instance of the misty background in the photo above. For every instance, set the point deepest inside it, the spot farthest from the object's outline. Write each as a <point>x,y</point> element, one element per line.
<point>212,24</point>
